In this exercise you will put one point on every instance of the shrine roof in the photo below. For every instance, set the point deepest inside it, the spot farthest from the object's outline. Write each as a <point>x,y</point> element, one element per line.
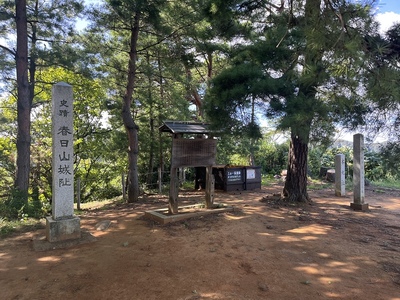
<point>185,127</point>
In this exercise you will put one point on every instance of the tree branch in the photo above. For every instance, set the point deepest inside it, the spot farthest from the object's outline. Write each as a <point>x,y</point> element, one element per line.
<point>12,52</point>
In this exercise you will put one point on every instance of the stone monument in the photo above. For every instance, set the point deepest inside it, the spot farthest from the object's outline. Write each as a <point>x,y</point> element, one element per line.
<point>358,174</point>
<point>340,179</point>
<point>62,225</point>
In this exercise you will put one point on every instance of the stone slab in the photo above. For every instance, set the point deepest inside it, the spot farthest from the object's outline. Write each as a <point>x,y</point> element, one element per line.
<point>62,205</point>
<point>340,176</point>
<point>161,217</point>
<point>63,229</point>
<point>359,206</point>
<point>358,169</point>
<point>44,245</point>
<point>103,225</point>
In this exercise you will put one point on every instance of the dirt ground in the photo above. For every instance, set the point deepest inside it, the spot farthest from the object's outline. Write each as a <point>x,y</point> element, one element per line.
<point>262,250</point>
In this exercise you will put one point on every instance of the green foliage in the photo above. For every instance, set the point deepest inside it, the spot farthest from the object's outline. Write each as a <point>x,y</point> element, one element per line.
<point>317,184</point>
<point>388,183</point>
<point>378,166</point>
<point>305,73</point>
<point>94,153</point>
<point>325,157</point>
<point>267,179</point>
<point>96,161</point>
<point>390,154</point>
<point>373,166</point>
<point>8,148</point>
<point>14,206</point>
<point>238,160</point>
<point>51,32</point>
<point>272,156</point>
<point>168,72</point>
<point>8,227</point>
<point>296,93</point>
<point>301,68</point>
<point>7,161</point>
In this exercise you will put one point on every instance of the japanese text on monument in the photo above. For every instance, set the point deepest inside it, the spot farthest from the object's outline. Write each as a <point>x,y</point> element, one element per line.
<point>65,142</point>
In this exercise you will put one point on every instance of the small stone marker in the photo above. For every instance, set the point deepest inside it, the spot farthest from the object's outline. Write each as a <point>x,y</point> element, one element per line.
<point>330,175</point>
<point>62,225</point>
<point>340,181</point>
<point>358,173</point>
<point>103,225</point>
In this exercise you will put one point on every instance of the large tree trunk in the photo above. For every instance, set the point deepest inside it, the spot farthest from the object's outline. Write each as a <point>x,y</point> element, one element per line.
<point>192,93</point>
<point>296,180</point>
<point>295,188</point>
<point>23,102</point>
<point>160,139</point>
<point>150,168</point>
<point>152,149</point>
<point>129,123</point>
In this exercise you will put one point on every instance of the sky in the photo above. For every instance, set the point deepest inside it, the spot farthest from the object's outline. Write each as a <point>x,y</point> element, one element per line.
<point>389,5</point>
<point>388,13</point>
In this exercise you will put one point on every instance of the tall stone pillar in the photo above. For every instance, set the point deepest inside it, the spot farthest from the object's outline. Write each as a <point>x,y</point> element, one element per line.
<point>340,179</point>
<point>358,174</point>
<point>62,225</point>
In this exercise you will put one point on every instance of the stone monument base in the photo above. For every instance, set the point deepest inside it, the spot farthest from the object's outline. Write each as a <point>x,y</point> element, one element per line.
<point>42,244</point>
<point>63,229</point>
<point>339,193</point>
<point>359,206</point>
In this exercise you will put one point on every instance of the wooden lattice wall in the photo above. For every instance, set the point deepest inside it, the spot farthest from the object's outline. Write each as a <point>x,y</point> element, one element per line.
<point>193,152</point>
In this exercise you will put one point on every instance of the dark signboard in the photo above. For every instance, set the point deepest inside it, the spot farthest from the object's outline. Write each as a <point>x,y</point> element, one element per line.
<point>193,152</point>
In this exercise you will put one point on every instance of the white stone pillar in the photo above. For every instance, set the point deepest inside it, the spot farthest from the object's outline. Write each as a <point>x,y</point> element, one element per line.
<point>358,174</point>
<point>62,225</point>
<point>340,179</point>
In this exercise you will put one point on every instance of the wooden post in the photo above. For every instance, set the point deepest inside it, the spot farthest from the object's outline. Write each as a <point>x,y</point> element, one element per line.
<point>180,175</point>
<point>159,180</point>
<point>173,192</point>
<point>210,187</point>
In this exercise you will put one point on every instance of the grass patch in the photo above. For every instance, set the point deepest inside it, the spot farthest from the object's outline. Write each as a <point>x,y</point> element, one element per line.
<point>312,184</point>
<point>318,184</point>
<point>100,204</point>
<point>8,228</point>
<point>268,180</point>
<point>187,185</point>
<point>392,184</point>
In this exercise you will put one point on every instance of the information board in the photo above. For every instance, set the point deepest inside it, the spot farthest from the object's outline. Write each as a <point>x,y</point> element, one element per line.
<point>234,175</point>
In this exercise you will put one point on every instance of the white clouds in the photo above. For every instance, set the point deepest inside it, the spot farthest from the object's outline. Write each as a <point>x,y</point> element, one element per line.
<point>386,20</point>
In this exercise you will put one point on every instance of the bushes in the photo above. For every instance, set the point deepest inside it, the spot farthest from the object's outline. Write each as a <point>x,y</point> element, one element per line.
<point>15,206</point>
<point>318,157</point>
<point>272,157</point>
<point>382,165</point>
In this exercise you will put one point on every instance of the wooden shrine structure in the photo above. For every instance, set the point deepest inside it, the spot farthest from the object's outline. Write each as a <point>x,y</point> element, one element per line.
<point>192,146</point>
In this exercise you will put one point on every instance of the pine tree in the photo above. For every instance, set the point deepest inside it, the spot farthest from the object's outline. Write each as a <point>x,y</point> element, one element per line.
<point>303,64</point>
<point>42,29</point>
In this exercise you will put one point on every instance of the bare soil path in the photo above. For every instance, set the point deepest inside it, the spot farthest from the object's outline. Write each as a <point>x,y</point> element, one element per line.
<point>262,250</point>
